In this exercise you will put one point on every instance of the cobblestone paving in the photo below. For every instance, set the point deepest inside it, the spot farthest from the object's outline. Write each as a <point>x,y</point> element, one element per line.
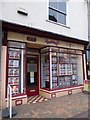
<point>62,107</point>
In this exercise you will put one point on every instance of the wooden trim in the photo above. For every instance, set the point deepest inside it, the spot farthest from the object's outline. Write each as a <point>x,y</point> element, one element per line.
<point>4,39</point>
<point>7,26</point>
<point>57,10</point>
<point>6,72</point>
<point>62,48</point>
<point>86,64</point>
<point>49,69</point>
<point>20,96</point>
<point>83,67</point>
<point>62,90</point>
<point>37,69</point>
<point>7,60</point>
<point>26,68</point>
<point>87,81</point>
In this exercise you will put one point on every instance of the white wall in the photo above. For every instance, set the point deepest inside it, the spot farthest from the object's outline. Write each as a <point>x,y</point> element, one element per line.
<point>89,21</point>
<point>38,14</point>
<point>0,9</point>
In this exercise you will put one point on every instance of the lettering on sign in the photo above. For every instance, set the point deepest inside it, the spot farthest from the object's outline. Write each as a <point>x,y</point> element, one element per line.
<point>33,39</point>
<point>51,42</point>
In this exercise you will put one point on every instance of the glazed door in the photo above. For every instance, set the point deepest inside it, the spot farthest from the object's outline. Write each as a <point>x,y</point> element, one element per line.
<point>32,75</point>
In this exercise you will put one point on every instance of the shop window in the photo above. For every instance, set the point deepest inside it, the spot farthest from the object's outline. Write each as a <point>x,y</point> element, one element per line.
<point>45,70</point>
<point>61,68</point>
<point>88,64</point>
<point>16,67</point>
<point>57,11</point>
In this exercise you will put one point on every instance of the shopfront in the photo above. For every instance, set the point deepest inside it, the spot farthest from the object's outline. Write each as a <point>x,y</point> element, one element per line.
<point>61,70</point>
<point>37,65</point>
<point>87,82</point>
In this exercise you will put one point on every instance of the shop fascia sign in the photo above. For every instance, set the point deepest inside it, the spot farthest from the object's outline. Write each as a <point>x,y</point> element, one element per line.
<point>32,39</point>
<point>47,41</point>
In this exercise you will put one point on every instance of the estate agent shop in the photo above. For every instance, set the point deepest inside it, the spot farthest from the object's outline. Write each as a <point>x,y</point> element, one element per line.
<point>42,63</point>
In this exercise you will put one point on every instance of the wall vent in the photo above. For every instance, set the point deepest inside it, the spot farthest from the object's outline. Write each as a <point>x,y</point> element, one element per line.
<point>22,11</point>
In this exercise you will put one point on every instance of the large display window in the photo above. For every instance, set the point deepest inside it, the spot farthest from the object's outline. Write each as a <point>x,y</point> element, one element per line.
<point>61,68</point>
<point>88,64</point>
<point>16,67</point>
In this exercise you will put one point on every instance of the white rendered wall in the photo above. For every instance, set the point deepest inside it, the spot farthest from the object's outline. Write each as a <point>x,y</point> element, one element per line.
<point>0,10</point>
<point>38,16</point>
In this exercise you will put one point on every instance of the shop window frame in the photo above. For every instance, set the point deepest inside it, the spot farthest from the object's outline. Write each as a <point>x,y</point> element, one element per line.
<point>88,63</point>
<point>7,63</point>
<point>41,69</point>
<point>81,54</point>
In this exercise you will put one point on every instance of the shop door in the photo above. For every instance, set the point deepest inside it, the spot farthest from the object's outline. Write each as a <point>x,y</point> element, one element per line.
<point>32,76</point>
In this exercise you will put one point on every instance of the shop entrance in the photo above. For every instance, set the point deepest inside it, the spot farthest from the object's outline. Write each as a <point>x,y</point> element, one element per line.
<point>32,87</point>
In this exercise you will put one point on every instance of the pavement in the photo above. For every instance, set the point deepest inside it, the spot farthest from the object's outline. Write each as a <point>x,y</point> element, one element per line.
<point>82,115</point>
<point>70,106</point>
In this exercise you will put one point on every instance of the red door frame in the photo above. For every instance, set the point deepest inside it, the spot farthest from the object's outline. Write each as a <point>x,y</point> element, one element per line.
<point>34,90</point>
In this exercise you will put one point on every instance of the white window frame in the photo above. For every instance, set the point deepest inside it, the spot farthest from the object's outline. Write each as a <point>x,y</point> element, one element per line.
<point>58,23</point>
<point>58,11</point>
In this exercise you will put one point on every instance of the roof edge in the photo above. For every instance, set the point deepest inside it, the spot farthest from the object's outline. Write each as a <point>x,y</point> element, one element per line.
<point>8,26</point>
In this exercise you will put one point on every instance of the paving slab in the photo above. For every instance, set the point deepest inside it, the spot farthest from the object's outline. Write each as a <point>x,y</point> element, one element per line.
<point>62,107</point>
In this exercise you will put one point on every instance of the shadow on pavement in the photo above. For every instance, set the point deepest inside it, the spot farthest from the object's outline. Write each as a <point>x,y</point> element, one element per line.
<point>82,115</point>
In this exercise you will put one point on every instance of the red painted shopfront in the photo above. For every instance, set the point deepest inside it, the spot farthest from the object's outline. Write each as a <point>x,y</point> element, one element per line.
<point>42,63</point>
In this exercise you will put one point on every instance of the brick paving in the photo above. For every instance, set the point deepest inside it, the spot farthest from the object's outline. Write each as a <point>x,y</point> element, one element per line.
<point>62,107</point>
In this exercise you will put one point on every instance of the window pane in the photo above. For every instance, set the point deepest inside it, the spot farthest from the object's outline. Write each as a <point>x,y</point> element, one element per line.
<point>61,18</point>
<point>16,44</point>
<point>62,6</point>
<point>53,4</point>
<point>88,65</point>
<point>16,68</point>
<point>45,82</point>
<point>52,15</point>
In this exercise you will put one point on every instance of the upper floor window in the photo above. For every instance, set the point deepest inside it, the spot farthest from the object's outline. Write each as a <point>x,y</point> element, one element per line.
<point>57,11</point>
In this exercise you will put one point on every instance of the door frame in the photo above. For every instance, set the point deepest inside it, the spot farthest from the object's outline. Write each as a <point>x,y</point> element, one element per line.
<point>37,72</point>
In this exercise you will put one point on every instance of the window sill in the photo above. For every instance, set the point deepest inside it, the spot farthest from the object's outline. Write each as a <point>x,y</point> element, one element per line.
<point>58,24</point>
